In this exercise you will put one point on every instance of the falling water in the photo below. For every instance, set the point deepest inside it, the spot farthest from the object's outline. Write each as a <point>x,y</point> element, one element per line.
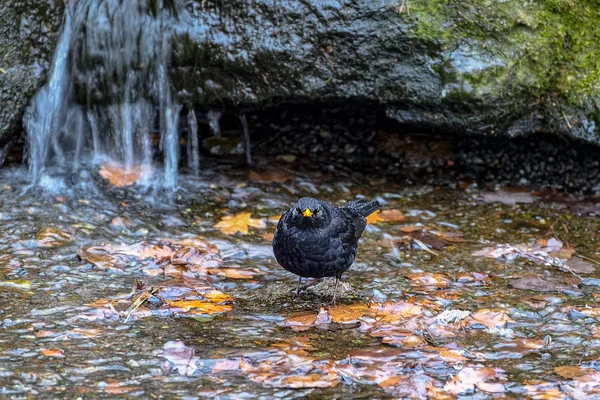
<point>44,117</point>
<point>193,145</point>
<point>213,117</point>
<point>246,130</point>
<point>134,46</point>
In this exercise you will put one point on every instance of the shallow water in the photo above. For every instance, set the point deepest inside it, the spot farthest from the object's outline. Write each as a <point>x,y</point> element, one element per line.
<point>58,339</point>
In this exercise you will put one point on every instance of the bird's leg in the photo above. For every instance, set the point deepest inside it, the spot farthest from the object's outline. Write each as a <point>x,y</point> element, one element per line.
<point>337,281</point>
<point>297,288</point>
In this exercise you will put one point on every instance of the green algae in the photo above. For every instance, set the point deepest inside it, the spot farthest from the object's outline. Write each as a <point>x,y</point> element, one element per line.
<point>541,48</point>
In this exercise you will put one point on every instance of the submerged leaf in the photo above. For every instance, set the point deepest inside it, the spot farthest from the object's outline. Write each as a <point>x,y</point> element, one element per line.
<point>231,224</point>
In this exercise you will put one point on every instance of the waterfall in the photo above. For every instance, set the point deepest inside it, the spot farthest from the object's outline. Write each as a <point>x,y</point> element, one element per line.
<point>43,119</point>
<point>134,101</point>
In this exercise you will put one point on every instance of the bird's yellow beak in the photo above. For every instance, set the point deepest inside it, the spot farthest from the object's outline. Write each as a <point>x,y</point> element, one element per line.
<point>307,213</point>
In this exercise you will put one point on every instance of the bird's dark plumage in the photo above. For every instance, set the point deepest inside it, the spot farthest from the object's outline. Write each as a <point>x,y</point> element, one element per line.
<point>315,239</point>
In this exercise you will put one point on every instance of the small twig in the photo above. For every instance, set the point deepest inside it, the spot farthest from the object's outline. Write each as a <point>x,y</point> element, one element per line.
<point>139,301</point>
<point>424,246</point>
<point>566,119</point>
<point>588,259</point>
<point>402,7</point>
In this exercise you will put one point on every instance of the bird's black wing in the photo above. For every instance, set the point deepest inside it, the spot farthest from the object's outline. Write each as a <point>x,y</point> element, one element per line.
<point>349,226</point>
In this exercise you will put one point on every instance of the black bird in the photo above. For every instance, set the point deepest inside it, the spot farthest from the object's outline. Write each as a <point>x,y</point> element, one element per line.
<point>315,239</point>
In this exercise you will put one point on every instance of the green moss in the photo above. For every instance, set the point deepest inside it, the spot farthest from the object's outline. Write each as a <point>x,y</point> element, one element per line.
<point>544,47</point>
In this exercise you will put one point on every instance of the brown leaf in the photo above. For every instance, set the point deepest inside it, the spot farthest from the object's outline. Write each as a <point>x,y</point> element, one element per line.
<point>309,381</point>
<point>49,238</point>
<point>492,317</point>
<point>301,321</point>
<point>571,371</point>
<point>182,357</point>
<point>470,377</point>
<point>580,266</point>
<point>391,216</point>
<point>231,224</point>
<point>540,284</point>
<point>347,313</point>
<point>385,216</point>
<point>400,308</point>
<point>428,279</point>
<point>270,176</point>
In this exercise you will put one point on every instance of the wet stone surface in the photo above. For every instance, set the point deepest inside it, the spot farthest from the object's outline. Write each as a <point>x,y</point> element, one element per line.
<point>108,291</point>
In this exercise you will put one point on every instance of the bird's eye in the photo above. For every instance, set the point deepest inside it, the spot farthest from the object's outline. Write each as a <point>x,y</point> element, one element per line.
<point>317,211</point>
<point>298,210</point>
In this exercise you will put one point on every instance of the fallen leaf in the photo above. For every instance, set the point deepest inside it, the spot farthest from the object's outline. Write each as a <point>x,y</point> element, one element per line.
<point>182,357</point>
<point>428,279</point>
<point>541,284</point>
<point>232,273</point>
<point>121,176</point>
<point>231,224</point>
<point>49,238</point>
<point>300,322</point>
<point>507,197</point>
<point>470,377</point>
<point>347,313</point>
<point>391,216</point>
<point>492,318</point>
<point>200,305</point>
<point>374,217</point>
<point>55,352</point>
<point>270,176</point>
<point>571,371</point>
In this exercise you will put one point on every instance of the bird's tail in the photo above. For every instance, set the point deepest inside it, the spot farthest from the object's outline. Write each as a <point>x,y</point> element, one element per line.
<point>362,207</point>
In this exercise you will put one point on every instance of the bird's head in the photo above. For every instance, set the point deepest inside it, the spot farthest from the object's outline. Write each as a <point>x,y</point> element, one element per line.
<point>309,212</point>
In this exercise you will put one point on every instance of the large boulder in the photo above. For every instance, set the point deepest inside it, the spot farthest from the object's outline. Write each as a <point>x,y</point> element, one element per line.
<point>507,67</point>
<point>28,35</point>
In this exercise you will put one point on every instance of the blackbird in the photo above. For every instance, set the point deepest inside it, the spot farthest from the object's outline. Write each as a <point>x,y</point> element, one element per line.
<point>315,239</point>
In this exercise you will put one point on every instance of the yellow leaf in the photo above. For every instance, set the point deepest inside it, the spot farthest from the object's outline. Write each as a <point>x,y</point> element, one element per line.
<point>201,305</point>
<point>231,224</point>
<point>233,273</point>
<point>374,218</point>
<point>216,296</point>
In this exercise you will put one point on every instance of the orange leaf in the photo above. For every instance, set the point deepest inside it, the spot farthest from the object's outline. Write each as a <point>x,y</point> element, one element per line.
<point>268,236</point>
<point>231,224</point>
<point>53,352</point>
<point>120,176</point>
<point>347,313</point>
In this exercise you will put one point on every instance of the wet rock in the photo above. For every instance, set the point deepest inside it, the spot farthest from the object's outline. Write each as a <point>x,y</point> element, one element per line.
<point>436,67</point>
<point>28,34</point>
